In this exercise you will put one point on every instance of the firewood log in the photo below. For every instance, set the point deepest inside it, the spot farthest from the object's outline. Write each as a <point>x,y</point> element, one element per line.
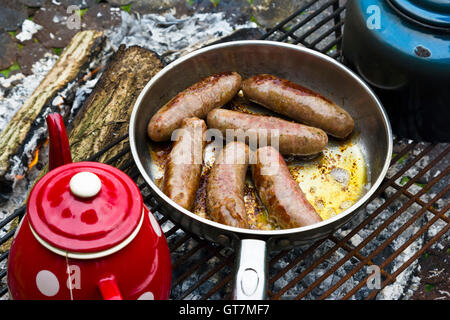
<point>70,66</point>
<point>105,115</point>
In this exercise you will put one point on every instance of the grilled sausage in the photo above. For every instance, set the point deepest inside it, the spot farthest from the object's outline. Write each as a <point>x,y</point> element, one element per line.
<point>225,186</point>
<point>196,101</point>
<point>184,164</point>
<point>298,103</point>
<point>279,192</point>
<point>293,138</point>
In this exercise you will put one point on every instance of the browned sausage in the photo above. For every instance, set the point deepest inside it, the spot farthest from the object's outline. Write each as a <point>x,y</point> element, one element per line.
<point>184,164</point>
<point>298,103</point>
<point>279,192</point>
<point>293,138</point>
<point>225,186</point>
<point>196,101</point>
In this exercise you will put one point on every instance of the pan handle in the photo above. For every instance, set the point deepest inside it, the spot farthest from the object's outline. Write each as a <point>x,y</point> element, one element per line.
<point>250,282</point>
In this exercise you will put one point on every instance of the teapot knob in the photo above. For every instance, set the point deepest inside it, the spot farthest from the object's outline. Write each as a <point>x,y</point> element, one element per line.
<point>85,184</point>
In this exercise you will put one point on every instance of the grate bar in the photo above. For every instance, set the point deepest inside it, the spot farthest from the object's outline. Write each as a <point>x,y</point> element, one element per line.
<point>290,33</point>
<point>218,286</point>
<point>331,45</point>
<point>350,248</point>
<point>348,256</point>
<point>300,258</point>
<point>7,236</point>
<point>4,255</point>
<point>423,204</point>
<point>217,268</point>
<point>194,267</point>
<point>179,242</point>
<point>320,24</point>
<point>288,19</point>
<point>303,274</point>
<point>403,152</point>
<point>119,155</point>
<point>95,156</point>
<point>171,231</point>
<point>400,250</point>
<point>17,213</point>
<point>384,245</point>
<point>336,27</point>
<point>415,256</point>
<point>200,245</point>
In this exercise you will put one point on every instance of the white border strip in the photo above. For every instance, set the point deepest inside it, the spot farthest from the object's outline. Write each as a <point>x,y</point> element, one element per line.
<point>94,255</point>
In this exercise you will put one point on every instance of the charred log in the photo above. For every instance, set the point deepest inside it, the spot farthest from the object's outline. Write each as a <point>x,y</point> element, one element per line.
<point>28,123</point>
<point>105,115</point>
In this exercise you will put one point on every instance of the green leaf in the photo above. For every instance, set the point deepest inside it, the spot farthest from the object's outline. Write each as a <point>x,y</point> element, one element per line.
<point>215,2</point>
<point>190,2</point>
<point>403,158</point>
<point>332,48</point>
<point>57,50</point>
<point>126,8</point>
<point>404,180</point>
<point>7,72</point>
<point>422,185</point>
<point>429,287</point>
<point>81,12</point>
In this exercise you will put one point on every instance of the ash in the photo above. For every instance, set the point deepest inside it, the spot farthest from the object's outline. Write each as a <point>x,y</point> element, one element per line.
<point>171,37</point>
<point>16,89</point>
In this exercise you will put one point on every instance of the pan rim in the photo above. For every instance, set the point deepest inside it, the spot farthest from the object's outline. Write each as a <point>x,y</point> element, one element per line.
<point>252,232</point>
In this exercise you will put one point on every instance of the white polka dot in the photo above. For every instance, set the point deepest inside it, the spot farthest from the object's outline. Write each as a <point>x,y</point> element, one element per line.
<point>155,224</point>
<point>47,283</point>
<point>147,296</point>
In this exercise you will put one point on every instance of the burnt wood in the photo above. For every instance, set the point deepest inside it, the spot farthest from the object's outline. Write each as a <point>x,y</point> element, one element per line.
<point>71,66</point>
<point>105,115</point>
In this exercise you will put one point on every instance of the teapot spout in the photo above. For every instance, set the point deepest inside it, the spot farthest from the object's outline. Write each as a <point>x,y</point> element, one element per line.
<point>59,148</point>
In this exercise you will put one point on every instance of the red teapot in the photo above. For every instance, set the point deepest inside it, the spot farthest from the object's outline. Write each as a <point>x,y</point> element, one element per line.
<point>86,234</point>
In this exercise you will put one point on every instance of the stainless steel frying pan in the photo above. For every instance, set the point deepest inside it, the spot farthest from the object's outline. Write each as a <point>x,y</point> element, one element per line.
<point>307,67</point>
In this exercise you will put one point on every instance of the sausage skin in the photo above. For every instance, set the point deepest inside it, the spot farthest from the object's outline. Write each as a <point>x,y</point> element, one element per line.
<point>225,186</point>
<point>184,164</point>
<point>196,101</point>
<point>298,103</point>
<point>279,192</point>
<point>293,138</point>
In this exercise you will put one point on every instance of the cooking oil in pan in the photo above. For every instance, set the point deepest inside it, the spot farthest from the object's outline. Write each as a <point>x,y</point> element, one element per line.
<point>335,180</point>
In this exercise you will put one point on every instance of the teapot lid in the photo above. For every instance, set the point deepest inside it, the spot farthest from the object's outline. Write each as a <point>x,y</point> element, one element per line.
<point>85,207</point>
<point>433,12</point>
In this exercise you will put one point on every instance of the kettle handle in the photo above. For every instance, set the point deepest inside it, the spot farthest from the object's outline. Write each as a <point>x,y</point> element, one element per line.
<point>59,149</point>
<point>109,288</point>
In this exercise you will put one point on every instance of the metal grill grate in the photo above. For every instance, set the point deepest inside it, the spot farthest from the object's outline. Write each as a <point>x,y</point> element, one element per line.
<point>408,213</point>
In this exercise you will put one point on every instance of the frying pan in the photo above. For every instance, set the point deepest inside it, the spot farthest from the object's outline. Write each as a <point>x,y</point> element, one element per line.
<point>298,64</point>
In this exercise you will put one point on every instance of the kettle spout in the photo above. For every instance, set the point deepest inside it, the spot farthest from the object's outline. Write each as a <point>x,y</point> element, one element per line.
<point>59,148</point>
